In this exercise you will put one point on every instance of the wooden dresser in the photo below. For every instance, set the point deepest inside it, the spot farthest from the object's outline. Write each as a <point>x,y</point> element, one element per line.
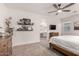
<point>5,46</point>
<point>51,34</point>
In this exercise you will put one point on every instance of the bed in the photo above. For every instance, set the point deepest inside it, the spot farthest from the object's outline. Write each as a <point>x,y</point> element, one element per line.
<point>67,44</point>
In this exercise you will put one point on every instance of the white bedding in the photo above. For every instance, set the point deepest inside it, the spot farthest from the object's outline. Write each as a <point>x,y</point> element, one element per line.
<point>67,42</point>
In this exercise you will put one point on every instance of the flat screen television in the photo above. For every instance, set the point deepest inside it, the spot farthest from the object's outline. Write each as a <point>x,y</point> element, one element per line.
<point>52,27</point>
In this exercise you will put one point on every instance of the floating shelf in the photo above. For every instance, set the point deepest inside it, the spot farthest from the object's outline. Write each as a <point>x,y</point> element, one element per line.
<point>26,25</point>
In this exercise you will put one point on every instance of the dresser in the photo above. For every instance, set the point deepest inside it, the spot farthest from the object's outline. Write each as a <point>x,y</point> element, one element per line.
<point>6,44</point>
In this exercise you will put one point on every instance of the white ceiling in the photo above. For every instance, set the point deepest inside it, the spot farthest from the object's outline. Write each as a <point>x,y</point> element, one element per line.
<point>43,8</point>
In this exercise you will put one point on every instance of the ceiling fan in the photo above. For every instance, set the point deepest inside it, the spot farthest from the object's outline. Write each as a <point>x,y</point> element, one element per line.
<point>61,9</point>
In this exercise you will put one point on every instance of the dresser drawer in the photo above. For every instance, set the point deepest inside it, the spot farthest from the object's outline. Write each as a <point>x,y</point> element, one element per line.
<point>3,48</point>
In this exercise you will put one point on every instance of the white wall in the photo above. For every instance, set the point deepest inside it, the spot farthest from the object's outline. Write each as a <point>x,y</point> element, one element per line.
<point>3,13</point>
<point>54,21</point>
<point>71,19</point>
<point>51,21</point>
<point>27,37</point>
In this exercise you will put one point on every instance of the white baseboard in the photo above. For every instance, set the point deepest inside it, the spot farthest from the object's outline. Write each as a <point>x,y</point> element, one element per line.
<point>22,43</point>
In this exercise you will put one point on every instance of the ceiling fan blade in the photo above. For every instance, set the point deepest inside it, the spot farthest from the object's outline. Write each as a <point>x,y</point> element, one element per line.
<point>66,10</point>
<point>52,11</point>
<point>55,6</point>
<point>68,5</point>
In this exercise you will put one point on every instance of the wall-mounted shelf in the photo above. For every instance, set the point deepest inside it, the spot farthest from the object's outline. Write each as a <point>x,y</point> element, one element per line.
<point>26,25</point>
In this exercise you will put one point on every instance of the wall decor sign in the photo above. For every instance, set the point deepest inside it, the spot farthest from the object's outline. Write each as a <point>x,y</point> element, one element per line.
<point>76,25</point>
<point>25,25</point>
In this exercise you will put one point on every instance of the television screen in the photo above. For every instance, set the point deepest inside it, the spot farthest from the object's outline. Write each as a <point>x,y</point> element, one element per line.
<point>52,27</point>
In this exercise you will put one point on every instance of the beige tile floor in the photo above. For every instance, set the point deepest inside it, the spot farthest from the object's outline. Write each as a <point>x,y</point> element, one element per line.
<point>35,49</point>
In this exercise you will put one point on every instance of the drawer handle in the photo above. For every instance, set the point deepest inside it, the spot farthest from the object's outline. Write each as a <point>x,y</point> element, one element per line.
<point>4,45</point>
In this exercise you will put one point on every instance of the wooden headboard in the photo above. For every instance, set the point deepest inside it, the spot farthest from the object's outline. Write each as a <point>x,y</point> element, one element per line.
<point>51,34</point>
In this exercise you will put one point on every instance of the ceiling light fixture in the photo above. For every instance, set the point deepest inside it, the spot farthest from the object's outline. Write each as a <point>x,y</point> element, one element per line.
<point>59,11</point>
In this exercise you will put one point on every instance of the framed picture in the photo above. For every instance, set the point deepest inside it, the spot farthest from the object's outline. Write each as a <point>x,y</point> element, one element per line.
<point>76,25</point>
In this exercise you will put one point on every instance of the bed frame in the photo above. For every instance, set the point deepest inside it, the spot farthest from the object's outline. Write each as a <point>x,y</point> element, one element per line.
<point>65,52</point>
